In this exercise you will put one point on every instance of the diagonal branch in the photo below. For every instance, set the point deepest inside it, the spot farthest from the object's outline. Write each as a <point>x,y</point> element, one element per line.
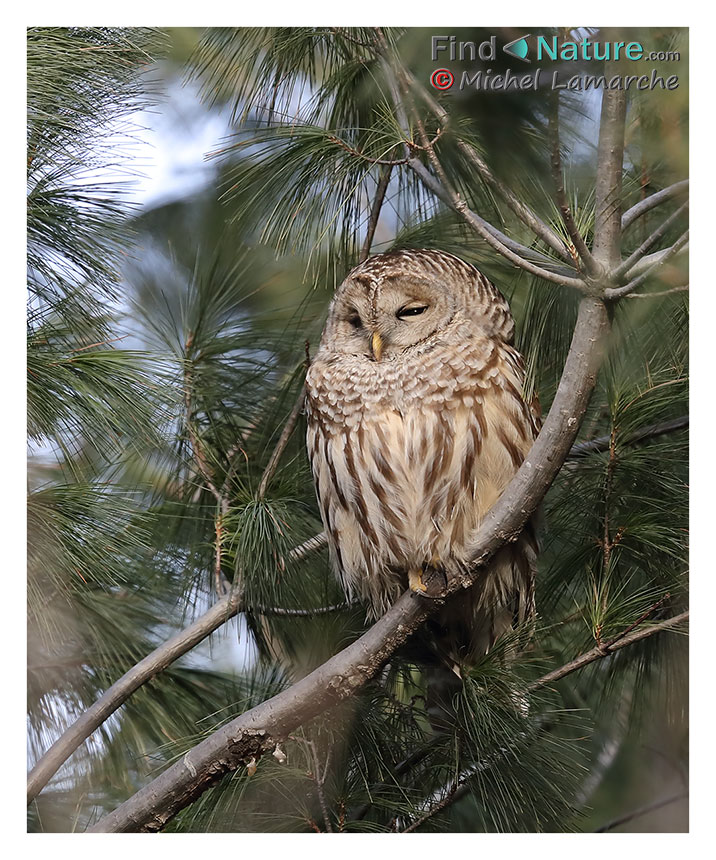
<point>661,258</point>
<point>283,441</point>
<point>520,209</point>
<point>604,650</point>
<point>648,243</point>
<point>580,245</point>
<point>514,252</point>
<point>122,689</point>
<point>460,786</point>
<point>601,443</point>
<point>486,231</point>
<point>642,810</point>
<point>684,288</point>
<point>174,648</point>
<point>383,183</point>
<point>646,205</point>
<point>263,727</point>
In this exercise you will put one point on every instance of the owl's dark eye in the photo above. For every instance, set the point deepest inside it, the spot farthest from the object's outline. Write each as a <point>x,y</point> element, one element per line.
<point>411,311</point>
<point>355,321</point>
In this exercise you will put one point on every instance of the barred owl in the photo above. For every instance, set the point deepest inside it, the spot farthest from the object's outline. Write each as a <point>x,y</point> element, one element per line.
<point>416,424</point>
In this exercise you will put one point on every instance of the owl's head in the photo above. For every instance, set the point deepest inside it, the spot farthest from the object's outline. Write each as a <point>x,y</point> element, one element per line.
<point>395,302</point>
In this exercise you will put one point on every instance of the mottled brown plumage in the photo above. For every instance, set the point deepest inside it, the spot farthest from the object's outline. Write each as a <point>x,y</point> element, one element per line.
<point>416,423</point>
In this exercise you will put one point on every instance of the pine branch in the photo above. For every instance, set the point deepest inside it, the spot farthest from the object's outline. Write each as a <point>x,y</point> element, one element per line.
<point>662,257</point>
<point>383,183</point>
<point>440,188</point>
<point>648,243</point>
<point>604,650</point>
<point>601,443</point>
<point>122,689</point>
<point>520,209</point>
<point>580,245</point>
<point>283,441</point>
<point>487,232</point>
<point>154,663</point>
<point>642,810</point>
<point>460,786</point>
<point>649,203</point>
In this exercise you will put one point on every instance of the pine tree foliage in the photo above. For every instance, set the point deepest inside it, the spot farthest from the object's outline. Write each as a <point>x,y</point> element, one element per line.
<point>148,494</point>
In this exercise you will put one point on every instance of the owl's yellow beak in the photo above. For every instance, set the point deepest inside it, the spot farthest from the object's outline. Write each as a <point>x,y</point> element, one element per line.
<point>376,346</point>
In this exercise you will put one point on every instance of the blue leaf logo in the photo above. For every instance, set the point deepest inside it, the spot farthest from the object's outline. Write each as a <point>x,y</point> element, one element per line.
<point>518,48</point>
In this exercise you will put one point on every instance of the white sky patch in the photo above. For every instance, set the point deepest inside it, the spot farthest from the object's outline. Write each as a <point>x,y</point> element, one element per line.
<point>175,136</point>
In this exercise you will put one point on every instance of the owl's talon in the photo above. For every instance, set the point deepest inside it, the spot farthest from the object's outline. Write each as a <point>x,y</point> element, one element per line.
<point>415,581</point>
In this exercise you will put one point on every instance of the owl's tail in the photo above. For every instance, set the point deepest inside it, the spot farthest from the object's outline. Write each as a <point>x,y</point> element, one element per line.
<point>470,624</point>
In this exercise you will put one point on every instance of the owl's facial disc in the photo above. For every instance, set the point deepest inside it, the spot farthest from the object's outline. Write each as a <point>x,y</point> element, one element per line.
<point>385,320</point>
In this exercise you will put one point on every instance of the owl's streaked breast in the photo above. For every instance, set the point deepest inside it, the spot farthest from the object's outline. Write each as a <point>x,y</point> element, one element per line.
<point>408,455</point>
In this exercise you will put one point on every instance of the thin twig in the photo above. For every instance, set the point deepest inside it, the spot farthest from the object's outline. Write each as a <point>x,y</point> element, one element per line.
<point>204,468</point>
<point>196,444</point>
<point>601,443</point>
<point>639,621</point>
<point>599,652</point>
<point>386,162</point>
<point>438,807</point>
<point>558,176</point>
<point>682,289</point>
<point>319,777</point>
<point>643,810</point>
<point>310,546</point>
<point>303,613</point>
<point>283,441</point>
<point>383,183</point>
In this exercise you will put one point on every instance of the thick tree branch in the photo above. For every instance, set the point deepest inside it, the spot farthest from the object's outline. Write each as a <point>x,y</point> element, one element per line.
<point>608,188</point>
<point>262,728</point>
<point>646,205</point>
